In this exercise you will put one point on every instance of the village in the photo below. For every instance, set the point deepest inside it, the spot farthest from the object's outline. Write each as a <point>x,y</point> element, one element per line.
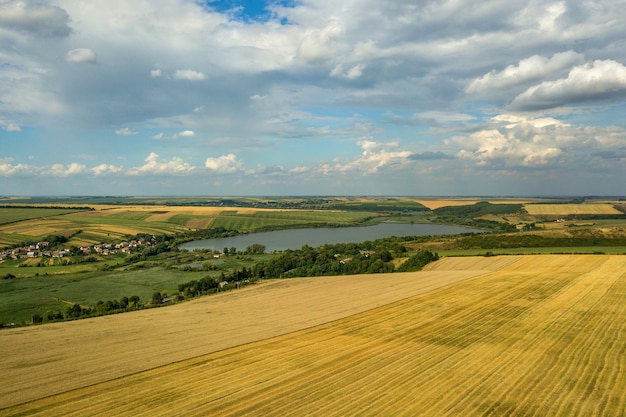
<point>41,249</point>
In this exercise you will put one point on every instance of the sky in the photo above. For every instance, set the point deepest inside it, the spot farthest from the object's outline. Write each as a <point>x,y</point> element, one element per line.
<point>313,97</point>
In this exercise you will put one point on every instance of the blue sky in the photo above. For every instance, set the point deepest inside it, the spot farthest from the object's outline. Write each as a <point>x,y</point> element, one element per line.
<point>312,97</point>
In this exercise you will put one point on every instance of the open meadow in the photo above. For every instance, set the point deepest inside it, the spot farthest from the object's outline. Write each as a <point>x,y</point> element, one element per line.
<point>511,335</point>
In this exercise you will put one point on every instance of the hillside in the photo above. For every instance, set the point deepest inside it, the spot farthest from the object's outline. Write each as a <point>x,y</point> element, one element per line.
<point>541,335</point>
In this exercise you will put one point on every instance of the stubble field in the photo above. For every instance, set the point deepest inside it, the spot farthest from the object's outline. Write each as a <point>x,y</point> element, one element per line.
<point>516,335</point>
<point>570,209</point>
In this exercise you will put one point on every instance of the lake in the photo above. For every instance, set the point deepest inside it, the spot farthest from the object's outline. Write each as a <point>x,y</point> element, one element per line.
<point>296,238</point>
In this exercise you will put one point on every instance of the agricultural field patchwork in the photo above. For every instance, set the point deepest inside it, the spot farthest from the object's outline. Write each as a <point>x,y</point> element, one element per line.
<point>114,223</point>
<point>511,335</point>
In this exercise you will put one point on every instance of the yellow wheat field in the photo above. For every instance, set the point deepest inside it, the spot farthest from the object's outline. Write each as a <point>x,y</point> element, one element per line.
<point>566,209</point>
<point>438,203</point>
<point>526,336</point>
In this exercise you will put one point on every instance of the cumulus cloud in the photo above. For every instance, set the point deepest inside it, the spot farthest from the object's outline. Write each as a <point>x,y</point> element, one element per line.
<point>318,45</point>
<point>530,69</point>
<point>594,81</point>
<point>184,134</point>
<point>176,166</point>
<point>330,75</point>
<point>224,164</point>
<point>104,169</point>
<point>60,170</point>
<point>80,55</point>
<point>374,156</point>
<point>8,169</point>
<point>511,142</point>
<point>189,75</point>
<point>125,131</point>
<point>10,126</point>
<point>34,17</point>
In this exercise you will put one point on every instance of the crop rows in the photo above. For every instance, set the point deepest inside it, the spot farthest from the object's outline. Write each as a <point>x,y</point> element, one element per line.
<point>567,209</point>
<point>539,335</point>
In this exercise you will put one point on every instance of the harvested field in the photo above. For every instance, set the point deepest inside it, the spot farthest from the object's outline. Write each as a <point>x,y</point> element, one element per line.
<point>160,216</point>
<point>567,209</point>
<point>437,203</point>
<point>528,335</point>
<point>199,223</point>
<point>158,337</point>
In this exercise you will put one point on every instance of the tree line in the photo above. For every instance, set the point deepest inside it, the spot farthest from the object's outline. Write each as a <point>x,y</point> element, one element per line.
<point>76,311</point>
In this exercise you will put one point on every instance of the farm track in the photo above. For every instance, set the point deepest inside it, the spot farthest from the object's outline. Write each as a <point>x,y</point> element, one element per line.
<point>527,336</point>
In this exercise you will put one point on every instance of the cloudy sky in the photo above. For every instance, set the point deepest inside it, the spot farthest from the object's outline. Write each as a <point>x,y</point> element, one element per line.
<point>312,97</point>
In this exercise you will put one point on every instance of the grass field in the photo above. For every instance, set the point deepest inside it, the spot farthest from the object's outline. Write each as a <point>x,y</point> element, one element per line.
<point>11,215</point>
<point>513,335</point>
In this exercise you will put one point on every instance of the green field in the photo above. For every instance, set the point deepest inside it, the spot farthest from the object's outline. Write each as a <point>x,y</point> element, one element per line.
<point>12,215</point>
<point>39,289</point>
<point>266,220</point>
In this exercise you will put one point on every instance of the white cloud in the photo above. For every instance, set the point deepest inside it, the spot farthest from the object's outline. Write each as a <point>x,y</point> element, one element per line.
<point>300,170</point>
<point>104,169</point>
<point>531,69</point>
<point>512,142</point>
<point>80,55</point>
<point>60,170</point>
<point>190,75</point>
<point>8,169</point>
<point>278,91</point>
<point>10,126</point>
<point>594,81</point>
<point>125,131</point>
<point>351,74</point>
<point>175,136</point>
<point>318,45</point>
<point>224,164</point>
<point>176,166</point>
<point>373,157</point>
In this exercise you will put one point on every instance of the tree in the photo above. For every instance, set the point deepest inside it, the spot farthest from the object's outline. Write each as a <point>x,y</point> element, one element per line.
<point>36,319</point>
<point>74,311</point>
<point>255,248</point>
<point>134,300</point>
<point>124,302</point>
<point>157,299</point>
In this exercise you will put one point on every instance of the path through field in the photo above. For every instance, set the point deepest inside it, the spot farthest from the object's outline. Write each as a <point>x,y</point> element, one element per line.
<point>527,336</point>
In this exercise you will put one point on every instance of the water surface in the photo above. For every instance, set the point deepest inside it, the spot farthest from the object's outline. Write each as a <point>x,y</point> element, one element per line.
<point>296,238</point>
